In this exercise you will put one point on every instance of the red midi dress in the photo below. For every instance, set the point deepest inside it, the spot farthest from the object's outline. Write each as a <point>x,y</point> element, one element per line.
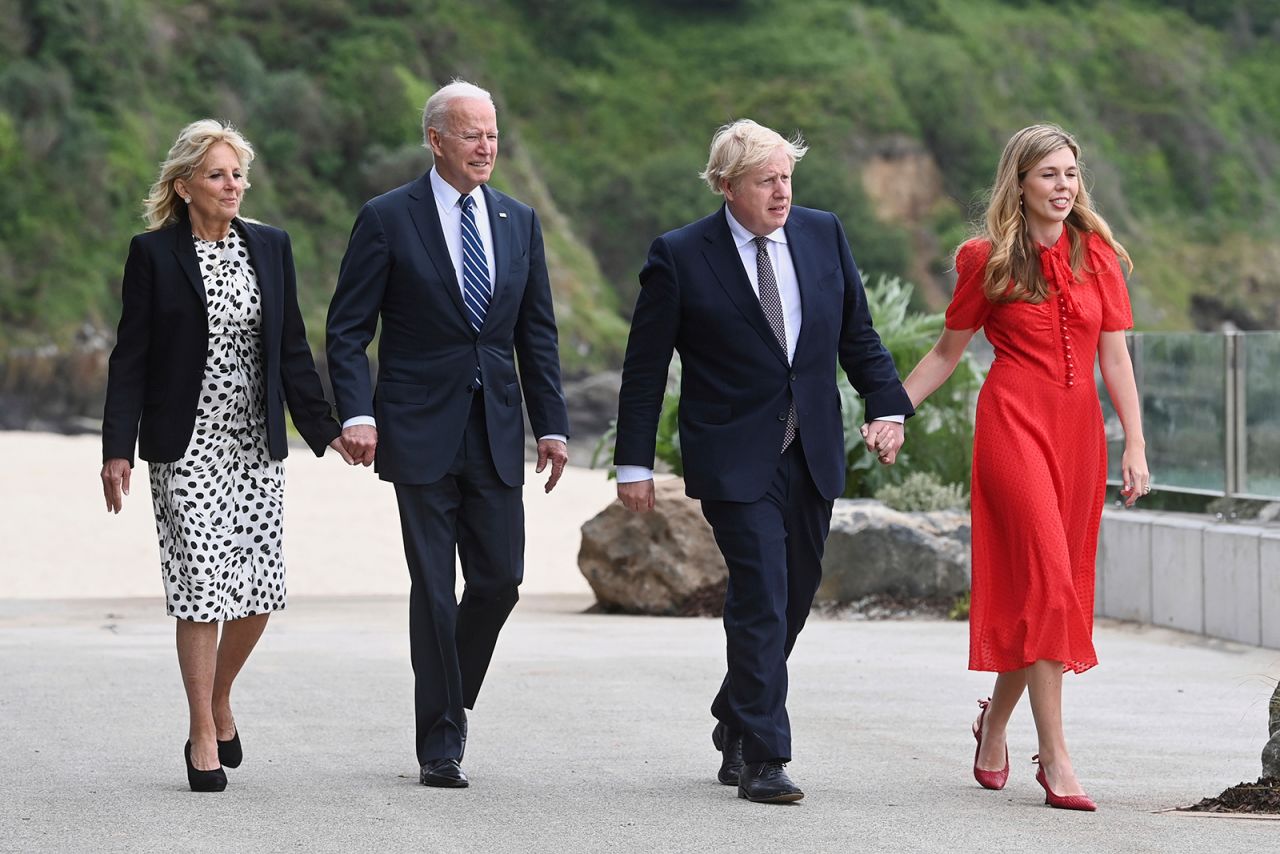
<point>1039,457</point>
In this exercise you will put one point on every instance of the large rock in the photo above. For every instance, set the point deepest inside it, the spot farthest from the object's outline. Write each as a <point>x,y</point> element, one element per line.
<point>875,550</point>
<point>665,562</point>
<point>1271,750</point>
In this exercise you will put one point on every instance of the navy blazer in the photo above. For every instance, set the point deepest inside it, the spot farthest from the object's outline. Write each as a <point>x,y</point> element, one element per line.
<point>397,268</point>
<point>157,367</point>
<point>736,385</point>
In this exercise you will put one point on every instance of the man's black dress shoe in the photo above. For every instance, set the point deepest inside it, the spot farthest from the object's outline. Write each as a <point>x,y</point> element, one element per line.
<point>443,774</point>
<point>730,746</point>
<point>229,752</point>
<point>203,781</point>
<point>767,783</point>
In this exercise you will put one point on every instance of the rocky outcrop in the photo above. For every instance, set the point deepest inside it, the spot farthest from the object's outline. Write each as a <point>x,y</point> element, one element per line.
<point>53,389</point>
<point>665,562</point>
<point>1271,752</point>
<point>875,550</point>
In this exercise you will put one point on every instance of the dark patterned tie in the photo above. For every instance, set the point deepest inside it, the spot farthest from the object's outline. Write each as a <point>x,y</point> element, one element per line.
<point>771,302</point>
<point>475,270</point>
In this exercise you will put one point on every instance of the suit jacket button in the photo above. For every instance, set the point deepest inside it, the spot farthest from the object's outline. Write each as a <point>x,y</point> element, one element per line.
<point>782,416</point>
<point>470,388</point>
<point>794,377</point>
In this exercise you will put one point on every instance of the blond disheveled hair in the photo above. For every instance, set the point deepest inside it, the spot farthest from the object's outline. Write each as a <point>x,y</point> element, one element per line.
<point>1013,268</point>
<point>741,146</point>
<point>162,206</point>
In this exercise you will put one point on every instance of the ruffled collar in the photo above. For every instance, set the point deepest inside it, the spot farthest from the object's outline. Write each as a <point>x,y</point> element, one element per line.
<point>1055,263</point>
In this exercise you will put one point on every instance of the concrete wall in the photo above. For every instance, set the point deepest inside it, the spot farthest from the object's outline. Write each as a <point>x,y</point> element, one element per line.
<point>1190,573</point>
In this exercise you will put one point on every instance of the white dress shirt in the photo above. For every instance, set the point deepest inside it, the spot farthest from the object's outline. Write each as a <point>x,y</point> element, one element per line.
<point>450,211</point>
<point>784,272</point>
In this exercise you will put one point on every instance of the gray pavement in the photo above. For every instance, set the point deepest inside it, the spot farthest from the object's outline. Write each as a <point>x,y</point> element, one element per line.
<point>592,734</point>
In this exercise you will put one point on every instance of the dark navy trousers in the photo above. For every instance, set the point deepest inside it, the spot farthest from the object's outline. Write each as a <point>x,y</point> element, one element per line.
<point>773,548</point>
<point>470,511</point>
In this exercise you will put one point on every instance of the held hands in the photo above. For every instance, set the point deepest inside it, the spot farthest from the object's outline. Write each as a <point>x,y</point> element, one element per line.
<point>555,452</point>
<point>1136,477</point>
<point>884,439</point>
<point>637,496</point>
<point>115,483</point>
<point>337,445</point>
<point>360,441</point>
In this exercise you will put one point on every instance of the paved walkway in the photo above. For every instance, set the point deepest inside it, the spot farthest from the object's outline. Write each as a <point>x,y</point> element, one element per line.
<point>592,735</point>
<point>593,731</point>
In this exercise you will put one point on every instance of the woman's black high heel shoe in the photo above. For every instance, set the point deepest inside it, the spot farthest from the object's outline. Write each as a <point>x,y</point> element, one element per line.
<point>203,781</point>
<point>229,752</point>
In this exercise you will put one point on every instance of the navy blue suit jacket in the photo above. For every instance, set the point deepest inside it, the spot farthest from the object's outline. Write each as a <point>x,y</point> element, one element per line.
<point>736,384</point>
<point>157,367</point>
<point>397,267</point>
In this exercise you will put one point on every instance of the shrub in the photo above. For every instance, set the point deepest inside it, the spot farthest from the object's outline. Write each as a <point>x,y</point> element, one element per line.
<point>922,491</point>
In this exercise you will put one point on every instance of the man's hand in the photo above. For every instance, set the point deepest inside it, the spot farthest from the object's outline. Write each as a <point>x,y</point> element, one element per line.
<point>115,483</point>
<point>555,452</point>
<point>885,439</point>
<point>636,496</point>
<point>360,440</point>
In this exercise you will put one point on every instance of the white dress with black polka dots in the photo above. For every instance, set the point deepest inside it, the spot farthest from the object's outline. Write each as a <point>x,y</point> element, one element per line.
<point>218,509</point>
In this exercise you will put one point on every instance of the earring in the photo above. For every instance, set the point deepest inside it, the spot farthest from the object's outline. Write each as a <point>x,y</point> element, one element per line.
<point>187,199</point>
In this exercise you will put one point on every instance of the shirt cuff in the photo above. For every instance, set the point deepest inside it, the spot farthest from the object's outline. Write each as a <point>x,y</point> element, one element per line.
<point>633,474</point>
<point>896,419</point>
<point>359,420</point>
<point>559,437</point>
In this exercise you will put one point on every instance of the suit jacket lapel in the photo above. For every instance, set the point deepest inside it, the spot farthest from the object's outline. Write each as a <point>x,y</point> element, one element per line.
<point>426,219</point>
<point>500,231</point>
<point>804,257</point>
<point>725,262</point>
<point>270,287</point>
<point>184,247</point>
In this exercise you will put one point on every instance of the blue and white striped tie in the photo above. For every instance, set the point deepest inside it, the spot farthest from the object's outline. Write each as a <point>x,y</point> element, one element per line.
<point>475,270</point>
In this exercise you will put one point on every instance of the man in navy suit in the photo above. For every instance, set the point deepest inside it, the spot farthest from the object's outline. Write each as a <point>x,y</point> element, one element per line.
<point>456,272</point>
<point>761,300</point>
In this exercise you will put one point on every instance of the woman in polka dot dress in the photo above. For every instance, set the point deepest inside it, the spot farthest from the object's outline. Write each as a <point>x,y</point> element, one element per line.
<point>1044,281</point>
<point>210,347</point>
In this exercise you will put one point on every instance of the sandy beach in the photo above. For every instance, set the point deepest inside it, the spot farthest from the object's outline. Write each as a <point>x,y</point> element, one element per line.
<point>342,531</point>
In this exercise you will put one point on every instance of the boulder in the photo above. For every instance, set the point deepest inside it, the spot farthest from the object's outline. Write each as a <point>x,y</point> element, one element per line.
<point>875,550</point>
<point>665,562</point>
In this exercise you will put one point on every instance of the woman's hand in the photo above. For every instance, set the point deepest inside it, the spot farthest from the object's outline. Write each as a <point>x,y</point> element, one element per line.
<point>115,483</point>
<point>337,445</point>
<point>1133,471</point>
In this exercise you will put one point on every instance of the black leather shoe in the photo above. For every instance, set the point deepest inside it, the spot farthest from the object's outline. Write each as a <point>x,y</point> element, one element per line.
<point>767,783</point>
<point>203,781</point>
<point>730,746</point>
<point>229,752</point>
<point>443,774</point>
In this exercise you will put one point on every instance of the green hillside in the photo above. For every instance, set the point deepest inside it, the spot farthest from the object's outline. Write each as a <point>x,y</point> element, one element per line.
<point>606,107</point>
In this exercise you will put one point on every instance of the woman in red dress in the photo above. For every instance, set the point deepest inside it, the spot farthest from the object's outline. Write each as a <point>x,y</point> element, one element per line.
<point>1044,281</point>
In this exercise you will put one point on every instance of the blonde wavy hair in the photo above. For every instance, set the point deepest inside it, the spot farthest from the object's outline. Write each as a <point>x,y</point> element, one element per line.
<point>163,206</point>
<point>741,146</point>
<point>1013,268</point>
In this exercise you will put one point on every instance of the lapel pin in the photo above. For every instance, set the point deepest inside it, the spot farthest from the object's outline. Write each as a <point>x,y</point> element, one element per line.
<point>502,214</point>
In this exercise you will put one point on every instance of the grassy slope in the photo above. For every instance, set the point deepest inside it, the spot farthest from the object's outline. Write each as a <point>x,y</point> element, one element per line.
<point>606,109</point>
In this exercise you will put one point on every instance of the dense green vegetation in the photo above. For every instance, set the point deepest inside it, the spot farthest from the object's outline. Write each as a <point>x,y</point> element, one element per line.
<point>606,108</point>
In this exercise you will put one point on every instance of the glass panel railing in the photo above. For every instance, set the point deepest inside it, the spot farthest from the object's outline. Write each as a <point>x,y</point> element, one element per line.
<point>1259,361</point>
<point>1182,382</point>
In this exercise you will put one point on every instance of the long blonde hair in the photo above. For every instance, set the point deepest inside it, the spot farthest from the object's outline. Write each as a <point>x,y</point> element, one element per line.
<point>1013,267</point>
<point>162,206</point>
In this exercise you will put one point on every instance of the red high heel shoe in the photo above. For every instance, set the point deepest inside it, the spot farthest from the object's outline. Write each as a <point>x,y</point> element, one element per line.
<point>1062,802</point>
<point>988,779</point>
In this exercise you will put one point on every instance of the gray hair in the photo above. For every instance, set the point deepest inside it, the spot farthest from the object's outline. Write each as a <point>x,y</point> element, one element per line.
<point>161,206</point>
<point>741,146</point>
<point>435,113</point>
